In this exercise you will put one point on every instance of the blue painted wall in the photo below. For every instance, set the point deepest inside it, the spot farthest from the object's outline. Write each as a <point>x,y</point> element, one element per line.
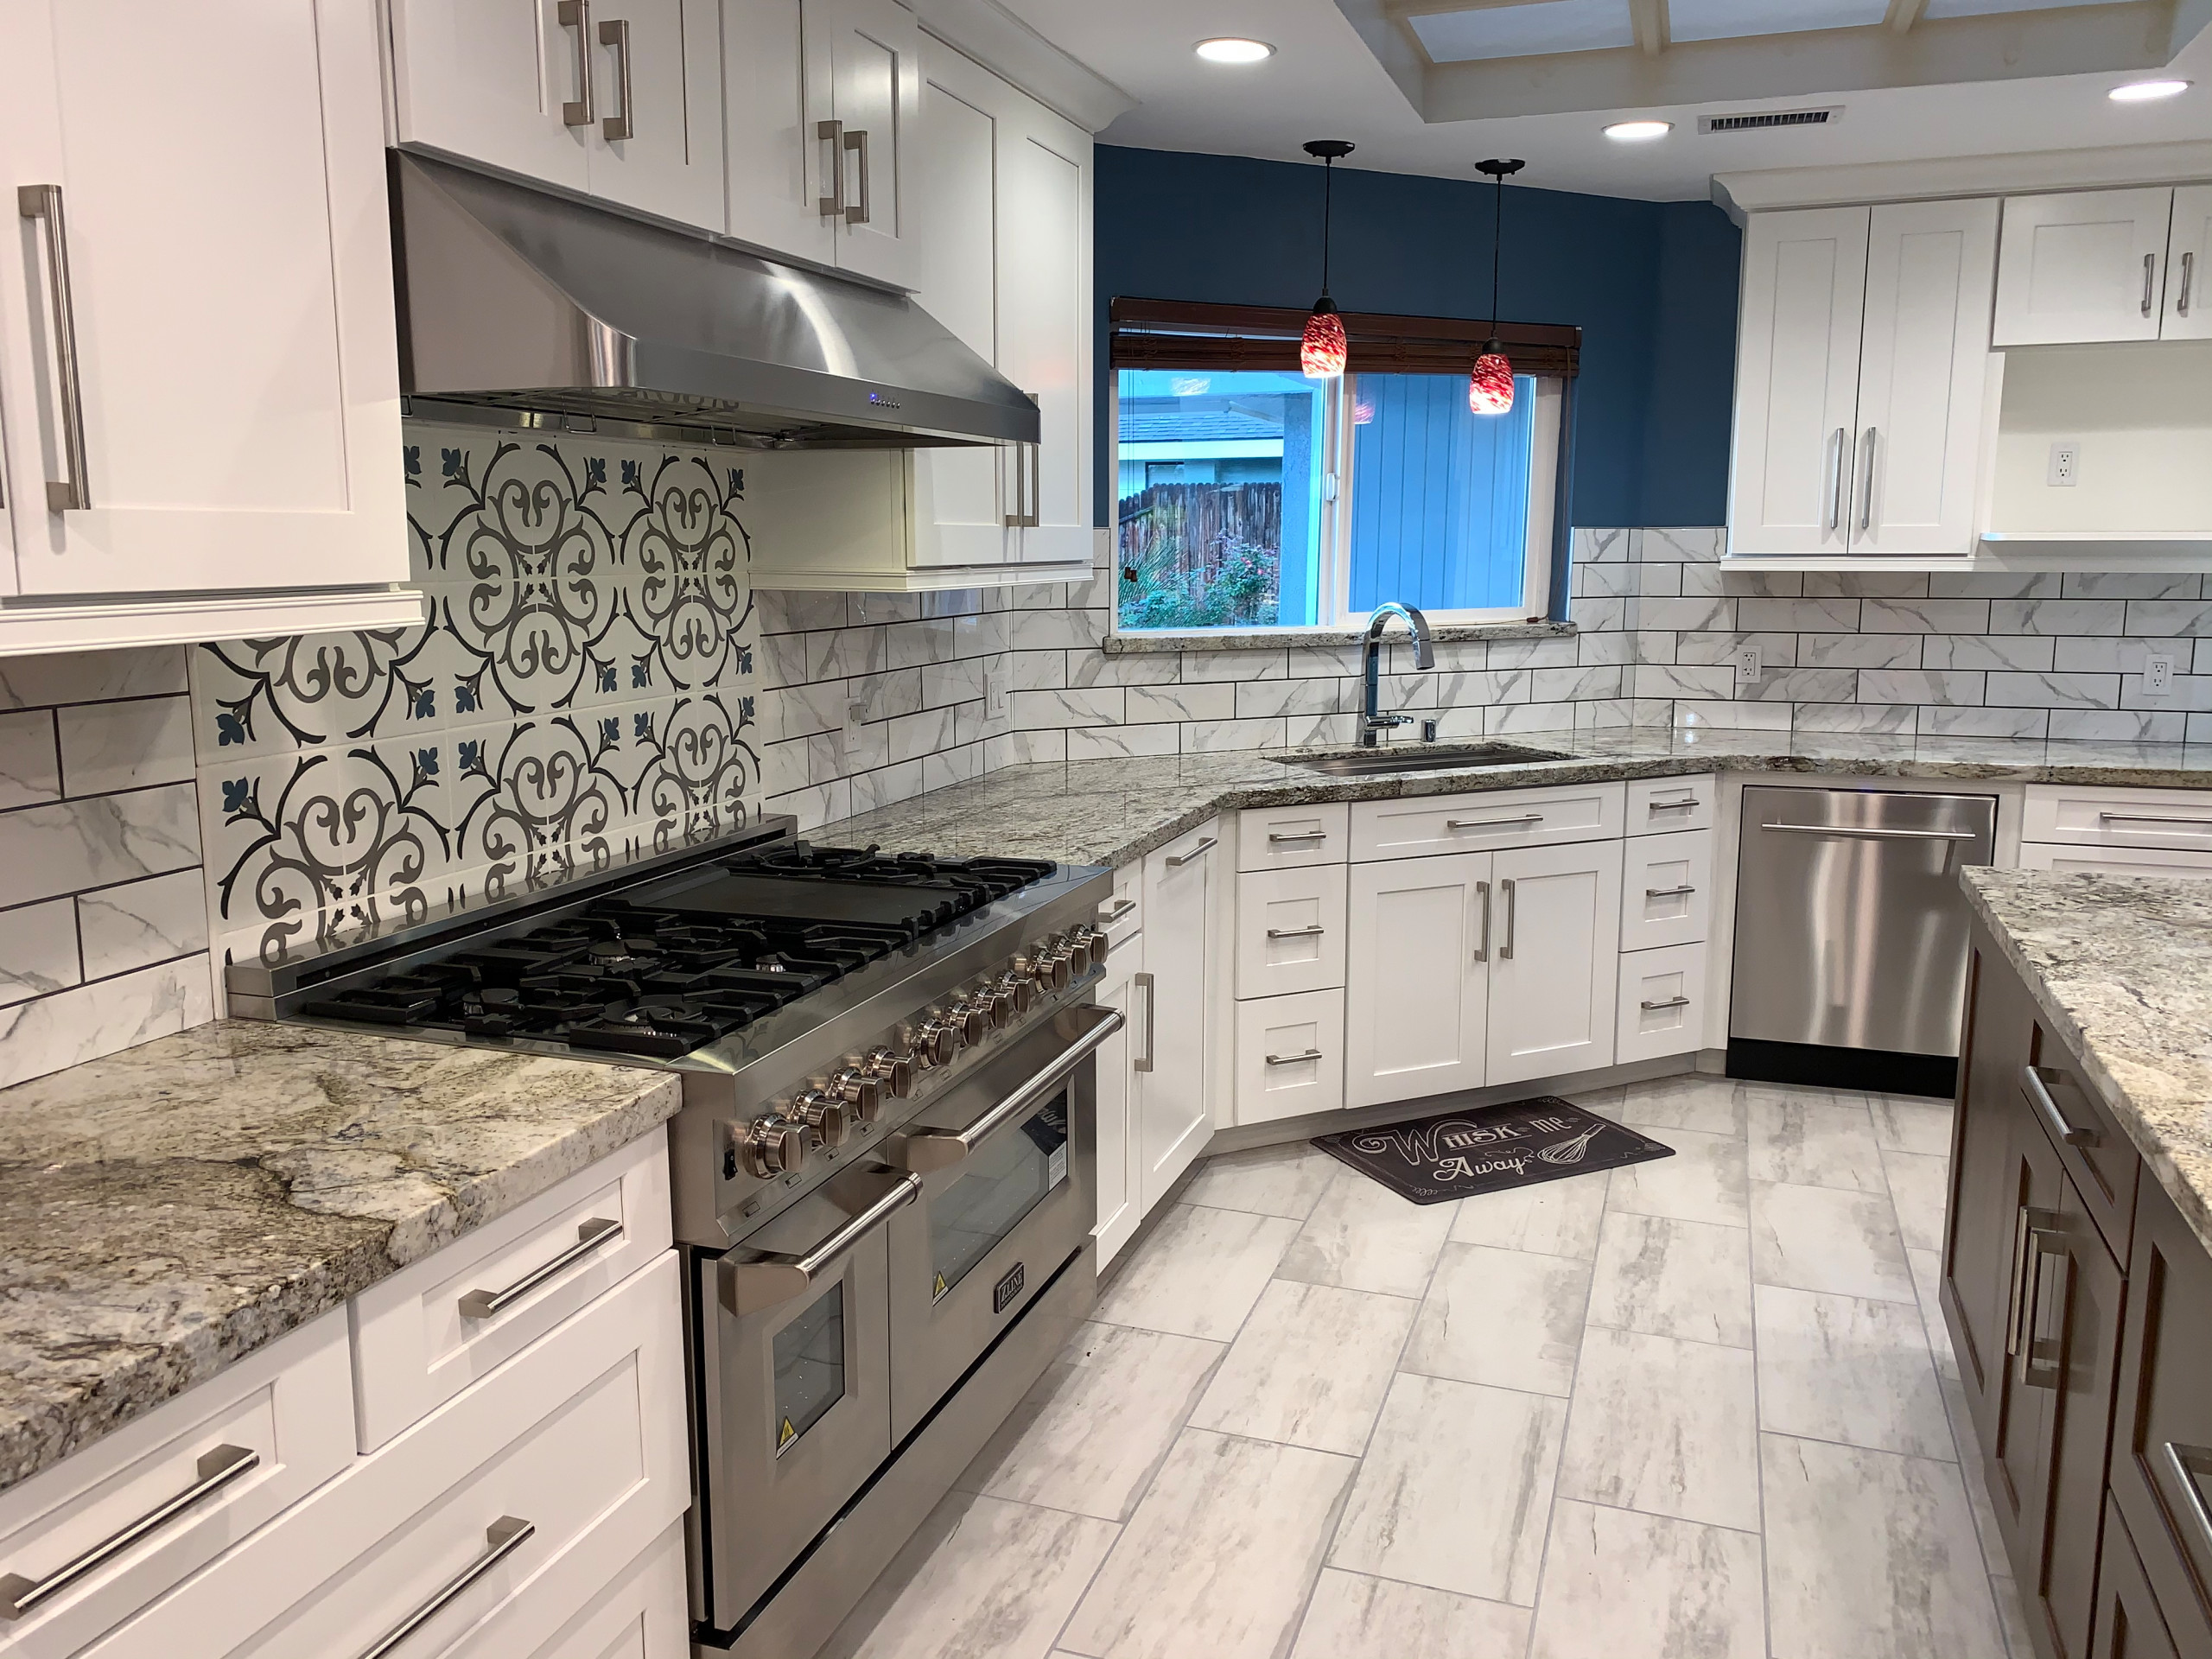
<point>1651,285</point>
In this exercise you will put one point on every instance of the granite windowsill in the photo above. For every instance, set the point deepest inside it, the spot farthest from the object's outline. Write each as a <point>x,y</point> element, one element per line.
<point>1117,645</point>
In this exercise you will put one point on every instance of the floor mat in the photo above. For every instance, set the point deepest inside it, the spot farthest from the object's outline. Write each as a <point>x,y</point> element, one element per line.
<point>1458,1154</point>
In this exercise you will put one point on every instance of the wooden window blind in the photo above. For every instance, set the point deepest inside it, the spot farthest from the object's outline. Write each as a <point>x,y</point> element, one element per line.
<point>1192,334</point>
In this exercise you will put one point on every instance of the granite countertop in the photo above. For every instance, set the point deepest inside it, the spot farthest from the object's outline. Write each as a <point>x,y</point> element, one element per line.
<point>172,1208</point>
<point>2121,967</point>
<point>1114,812</point>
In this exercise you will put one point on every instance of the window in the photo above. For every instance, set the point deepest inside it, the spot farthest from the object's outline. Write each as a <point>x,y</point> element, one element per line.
<point>1250,497</point>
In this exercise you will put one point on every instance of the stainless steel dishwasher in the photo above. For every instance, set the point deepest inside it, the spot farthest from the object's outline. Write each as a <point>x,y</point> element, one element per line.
<point>1851,936</point>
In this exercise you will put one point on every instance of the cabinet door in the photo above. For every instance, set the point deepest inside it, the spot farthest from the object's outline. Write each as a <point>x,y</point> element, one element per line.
<point>1044,250</point>
<point>497,81</point>
<point>1924,357</point>
<point>1119,1211</point>
<point>875,85</point>
<point>1797,381</point>
<point>657,76</point>
<point>775,88</point>
<point>961,494</point>
<point>1554,983</point>
<point>1417,966</point>
<point>1181,890</point>
<point>2129,1624</point>
<point>2019,1456</point>
<point>235,379</point>
<point>1290,1056</point>
<point>2189,266</point>
<point>2081,266</point>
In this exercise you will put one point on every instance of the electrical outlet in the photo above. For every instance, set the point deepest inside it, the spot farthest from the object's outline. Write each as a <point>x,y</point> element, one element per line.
<point>998,693</point>
<point>1747,665</point>
<point>2065,465</point>
<point>2158,677</point>
<point>848,732</point>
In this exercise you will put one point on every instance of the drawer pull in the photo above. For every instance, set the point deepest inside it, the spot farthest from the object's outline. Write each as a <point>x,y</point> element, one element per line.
<point>1313,932</point>
<point>1181,859</point>
<point>2154,818</point>
<point>1686,804</point>
<point>483,1304</point>
<point>2033,1080</point>
<point>1668,893</point>
<point>216,1470</point>
<point>1661,1008</point>
<point>501,1539</point>
<point>2190,1466</point>
<point>1492,823</point>
<point>1295,1059</point>
<point>1122,907</point>
<point>1275,840</point>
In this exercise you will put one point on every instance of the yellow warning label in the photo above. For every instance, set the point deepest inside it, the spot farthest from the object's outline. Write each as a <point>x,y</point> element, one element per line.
<point>937,1289</point>
<point>785,1434</point>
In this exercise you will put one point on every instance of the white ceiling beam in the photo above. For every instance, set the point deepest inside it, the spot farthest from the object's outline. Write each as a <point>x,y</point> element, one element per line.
<point>1902,14</point>
<point>1649,17</point>
<point>1400,10</point>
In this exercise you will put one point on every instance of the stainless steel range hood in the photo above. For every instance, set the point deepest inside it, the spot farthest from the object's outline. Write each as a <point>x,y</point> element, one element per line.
<point>538,310</point>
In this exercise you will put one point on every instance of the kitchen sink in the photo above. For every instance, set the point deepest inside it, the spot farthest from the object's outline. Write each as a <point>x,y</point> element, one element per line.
<point>1429,757</point>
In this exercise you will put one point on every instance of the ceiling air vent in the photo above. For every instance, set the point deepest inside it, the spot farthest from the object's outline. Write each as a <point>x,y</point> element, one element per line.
<point>1765,120</point>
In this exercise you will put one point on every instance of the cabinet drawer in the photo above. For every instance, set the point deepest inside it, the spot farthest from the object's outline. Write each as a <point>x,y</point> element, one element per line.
<point>2130,1624</point>
<point>1468,823</point>
<point>642,1615</point>
<point>2094,1150</point>
<point>2170,861</point>
<point>289,1406</point>
<point>1283,837</point>
<point>427,1332</point>
<point>1123,916</point>
<point>1290,930</point>
<point>2117,817</point>
<point>1662,1000</point>
<point>1666,889</point>
<point>1290,1056</point>
<point>1658,806</point>
<point>581,1436</point>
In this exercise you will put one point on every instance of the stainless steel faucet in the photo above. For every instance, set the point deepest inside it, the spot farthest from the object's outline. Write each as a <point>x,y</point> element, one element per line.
<point>1372,720</point>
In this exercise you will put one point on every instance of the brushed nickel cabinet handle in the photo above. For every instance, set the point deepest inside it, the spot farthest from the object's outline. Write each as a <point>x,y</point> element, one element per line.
<point>1659,1008</point>
<point>36,202</point>
<point>2035,1081</point>
<point>1145,983</point>
<point>2038,1369</point>
<point>1866,480</point>
<point>1688,804</point>
<point>1275,840</point>
<point>2188,281</point>
<point>1838,445</point>
<point>1668,893</point>
<point>1482,950</point>
<point>832,133</point>
<point>1512,911</point>
<point>2190,1465</point>
<point>215,1470</point>
<point>501,1539</point>
<point>1294,1059</point>
<point>1492,823</point>
<point>2149,271</point>
<point>857,213</point>
<point>1313,932</point>
<point>577,14</point>
<point>617,34</point>
<point>2154,818</point>
<point>1198,851</point>
<point>590,1236</point>
<point>1122,907</point>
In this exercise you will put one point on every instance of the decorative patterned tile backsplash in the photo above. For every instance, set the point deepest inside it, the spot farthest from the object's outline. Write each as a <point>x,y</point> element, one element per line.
<point>585,692</point>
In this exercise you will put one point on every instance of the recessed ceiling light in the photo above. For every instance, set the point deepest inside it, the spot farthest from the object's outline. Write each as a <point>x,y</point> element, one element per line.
<point>1638,132</point>
<point>1234,48</point>
<point>2144,92</point>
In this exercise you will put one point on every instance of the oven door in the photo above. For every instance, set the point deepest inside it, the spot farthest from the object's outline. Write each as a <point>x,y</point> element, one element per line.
<point>1009,1192</point>
<point>795,1369</point>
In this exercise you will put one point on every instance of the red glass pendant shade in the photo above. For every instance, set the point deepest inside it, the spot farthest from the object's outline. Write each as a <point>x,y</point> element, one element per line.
<point>1489,388</point>
<point>1323,350</point>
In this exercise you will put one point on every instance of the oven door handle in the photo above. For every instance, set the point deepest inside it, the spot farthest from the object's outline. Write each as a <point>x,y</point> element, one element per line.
<point>754,1286</point>
<point>930,1149</point>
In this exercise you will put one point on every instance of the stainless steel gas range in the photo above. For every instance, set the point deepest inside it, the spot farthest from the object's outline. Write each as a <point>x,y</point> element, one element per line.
<point>884,1169</point>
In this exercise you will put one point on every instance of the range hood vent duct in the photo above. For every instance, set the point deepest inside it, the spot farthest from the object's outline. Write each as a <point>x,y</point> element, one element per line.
<point>525,309</point>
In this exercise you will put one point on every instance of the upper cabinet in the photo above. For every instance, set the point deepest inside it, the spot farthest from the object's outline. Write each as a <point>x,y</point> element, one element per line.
<point>1860,369</point>
<point>2189,266</point>
<point>616,98</point>
<point>865,137</point>
<point>197,361</point>
<point>2093,265</point>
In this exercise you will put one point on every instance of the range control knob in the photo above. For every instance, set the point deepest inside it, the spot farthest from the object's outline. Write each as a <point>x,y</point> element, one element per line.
<point>1021,985</point>
<point>1088,945</point>
<point>858,1090</point>
<point>996,1000</point>
<point>1047,966</point>
<point>895,1071</point>
<point>937,1040</point>
<point>770,1145</point>
<point>823,1113</point>
<point>973,1017</point>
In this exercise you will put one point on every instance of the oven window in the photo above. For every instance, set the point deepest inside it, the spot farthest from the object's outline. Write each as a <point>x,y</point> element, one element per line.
<point>1000,1183</point>
<point>809,1368</point>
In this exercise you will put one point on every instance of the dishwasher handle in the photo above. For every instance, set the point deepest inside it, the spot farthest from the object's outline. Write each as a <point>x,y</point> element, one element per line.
<point>1860,833</point>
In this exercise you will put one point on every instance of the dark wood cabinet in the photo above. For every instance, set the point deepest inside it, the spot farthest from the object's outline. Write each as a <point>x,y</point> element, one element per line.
<point>2129,1624</point>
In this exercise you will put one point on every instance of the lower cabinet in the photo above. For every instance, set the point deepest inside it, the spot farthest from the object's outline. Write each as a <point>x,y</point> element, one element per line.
<point>1120,1177</point>
<point>2128,1624</point>
<point>1290,1056</point>
<point>1555,976</point>
<point>1420,935</point>
<point>1662,1003</point>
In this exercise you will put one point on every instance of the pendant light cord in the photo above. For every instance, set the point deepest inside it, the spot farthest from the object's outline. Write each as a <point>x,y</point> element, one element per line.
<point>1496,249</point>
<point>1328,182</point>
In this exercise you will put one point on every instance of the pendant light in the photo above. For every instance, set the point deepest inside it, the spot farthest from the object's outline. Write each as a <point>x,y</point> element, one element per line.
<point>1489,388</point>
<point>1322,350</point>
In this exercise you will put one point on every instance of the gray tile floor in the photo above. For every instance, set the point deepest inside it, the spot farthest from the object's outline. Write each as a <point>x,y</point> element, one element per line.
<point>1699,1407</point>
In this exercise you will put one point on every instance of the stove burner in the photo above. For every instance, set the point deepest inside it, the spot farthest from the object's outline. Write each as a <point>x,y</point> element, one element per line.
<point>689,960</point>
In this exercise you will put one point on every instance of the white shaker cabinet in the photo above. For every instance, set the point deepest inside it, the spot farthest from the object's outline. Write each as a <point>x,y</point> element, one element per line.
<point>774,91</point>
<point>1120,1187</point>
<point>197,356</point>
<point>1184,885</point>
<point>1555,969</point>
<point>1862,360</point>
<point>2189,266</point>
<point>2086,265</point>
<point>1419,938</point>
<point>619,99</point>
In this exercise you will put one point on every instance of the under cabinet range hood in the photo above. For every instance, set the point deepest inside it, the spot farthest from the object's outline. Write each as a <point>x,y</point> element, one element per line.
<point>539,310</point>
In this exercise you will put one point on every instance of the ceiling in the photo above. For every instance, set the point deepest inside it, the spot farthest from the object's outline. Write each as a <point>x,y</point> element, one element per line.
<point>1384,75</point>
